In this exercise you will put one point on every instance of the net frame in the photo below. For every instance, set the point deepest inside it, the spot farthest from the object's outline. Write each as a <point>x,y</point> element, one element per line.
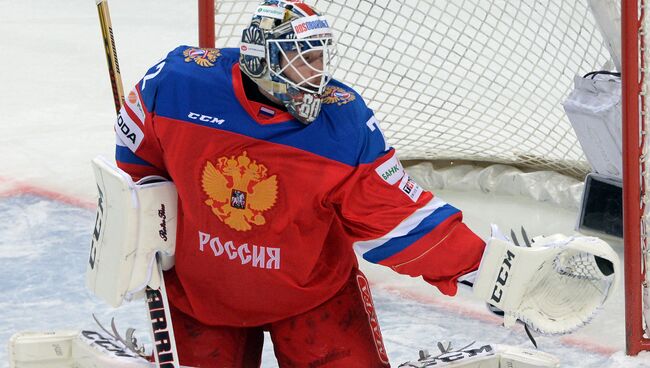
<point>635,175</point>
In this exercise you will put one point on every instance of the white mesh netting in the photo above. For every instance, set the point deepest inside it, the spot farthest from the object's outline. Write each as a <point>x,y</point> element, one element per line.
<point>477,80</point>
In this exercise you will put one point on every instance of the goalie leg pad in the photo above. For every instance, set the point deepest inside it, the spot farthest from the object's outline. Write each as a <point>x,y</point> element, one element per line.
<point>41,349</point>
<point>555,287</point>
<point>516,357</point>
<point>70,349</point>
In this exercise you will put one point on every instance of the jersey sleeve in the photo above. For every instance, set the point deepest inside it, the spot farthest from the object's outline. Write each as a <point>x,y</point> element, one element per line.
<point>137,148</point>
<point>396,223</point>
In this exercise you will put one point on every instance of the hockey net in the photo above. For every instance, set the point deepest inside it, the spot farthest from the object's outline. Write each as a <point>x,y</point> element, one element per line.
<point>474,80</point>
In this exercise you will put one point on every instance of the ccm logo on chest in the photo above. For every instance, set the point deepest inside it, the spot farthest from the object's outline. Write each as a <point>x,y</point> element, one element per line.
<point>205,118</point>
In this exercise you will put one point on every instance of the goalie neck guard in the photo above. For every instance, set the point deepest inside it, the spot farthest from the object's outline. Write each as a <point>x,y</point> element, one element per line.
<point>288,50</point>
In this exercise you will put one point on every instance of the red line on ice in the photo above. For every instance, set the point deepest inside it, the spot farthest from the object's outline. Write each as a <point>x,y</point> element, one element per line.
<point>11,188</point>
<point>487,317</point>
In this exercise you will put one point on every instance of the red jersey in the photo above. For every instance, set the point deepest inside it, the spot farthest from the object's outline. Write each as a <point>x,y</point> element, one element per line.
<point>271,210</point>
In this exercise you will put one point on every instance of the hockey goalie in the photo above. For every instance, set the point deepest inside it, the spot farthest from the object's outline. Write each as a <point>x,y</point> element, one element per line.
<point>276,174</point>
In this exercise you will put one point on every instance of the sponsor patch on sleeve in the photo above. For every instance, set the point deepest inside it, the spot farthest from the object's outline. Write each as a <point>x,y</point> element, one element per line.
<point>128,131</point>
<point>391,170</point>
<point>410,188</point>
<point>134,103</point>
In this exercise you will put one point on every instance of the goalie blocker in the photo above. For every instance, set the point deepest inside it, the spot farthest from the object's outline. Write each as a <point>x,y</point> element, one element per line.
<point>555,286</point>
<point>134,222</point>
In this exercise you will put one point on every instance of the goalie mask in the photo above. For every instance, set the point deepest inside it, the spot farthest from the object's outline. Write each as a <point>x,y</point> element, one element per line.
<point>288,50</point>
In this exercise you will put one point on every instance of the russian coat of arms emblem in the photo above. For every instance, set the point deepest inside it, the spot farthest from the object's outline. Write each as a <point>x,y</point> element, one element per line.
<point>203,57</point>
<point>337,95</point>
<point>239,191</point>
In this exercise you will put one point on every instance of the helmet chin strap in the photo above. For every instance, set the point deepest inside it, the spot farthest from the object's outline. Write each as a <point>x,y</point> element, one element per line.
<point>267,94</point>
<point>271,87</point>
<point>305,107</point>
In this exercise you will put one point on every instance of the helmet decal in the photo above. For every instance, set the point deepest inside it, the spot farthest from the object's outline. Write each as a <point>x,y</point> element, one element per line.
<point>252,51</point>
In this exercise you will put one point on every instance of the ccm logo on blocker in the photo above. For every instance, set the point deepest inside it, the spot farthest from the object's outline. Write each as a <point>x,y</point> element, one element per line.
<point>497,293</point>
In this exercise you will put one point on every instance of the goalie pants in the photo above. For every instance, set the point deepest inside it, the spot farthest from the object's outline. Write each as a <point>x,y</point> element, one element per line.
<point>342,332</point>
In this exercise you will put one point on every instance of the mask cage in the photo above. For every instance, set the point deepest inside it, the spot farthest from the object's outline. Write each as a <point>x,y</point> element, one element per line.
<point>316,70</point>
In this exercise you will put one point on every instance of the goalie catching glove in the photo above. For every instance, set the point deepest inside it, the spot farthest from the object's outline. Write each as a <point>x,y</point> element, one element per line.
<point>555,286</point>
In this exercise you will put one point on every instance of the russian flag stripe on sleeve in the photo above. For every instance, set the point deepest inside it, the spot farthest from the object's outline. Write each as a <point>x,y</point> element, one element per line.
<point>124,154</point>
<point>419,224</point>
<point>396,245</point>
<point>133,115</point>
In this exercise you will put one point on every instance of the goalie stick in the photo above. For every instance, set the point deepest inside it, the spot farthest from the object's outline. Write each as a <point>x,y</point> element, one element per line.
<point>111,53</point>
<point>164,344</point>
<point>129,342</point>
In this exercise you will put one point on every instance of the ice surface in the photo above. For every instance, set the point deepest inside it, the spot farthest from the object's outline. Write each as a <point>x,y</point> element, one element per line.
<point>56,113</point>
<point>44,251</point>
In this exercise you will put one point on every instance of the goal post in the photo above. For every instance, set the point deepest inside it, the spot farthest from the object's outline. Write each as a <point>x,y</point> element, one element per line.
<point>206,23</point>
<point>635,176</point>
<point>484,81</point>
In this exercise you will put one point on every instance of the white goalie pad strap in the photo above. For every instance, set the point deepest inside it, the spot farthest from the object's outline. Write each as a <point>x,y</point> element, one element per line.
<point>134,221</point>
<point>486,356</point>
<point>555,287</point>
<point>516,357</point>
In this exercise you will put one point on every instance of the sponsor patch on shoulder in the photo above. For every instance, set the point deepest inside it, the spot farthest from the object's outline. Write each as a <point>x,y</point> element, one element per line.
<point>391,170</point>
<point>410,188</point>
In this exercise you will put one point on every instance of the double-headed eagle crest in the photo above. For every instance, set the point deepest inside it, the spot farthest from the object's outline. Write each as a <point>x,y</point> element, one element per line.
<point>337,95</point>
<point>203,57</point>
<point>239,191</point>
